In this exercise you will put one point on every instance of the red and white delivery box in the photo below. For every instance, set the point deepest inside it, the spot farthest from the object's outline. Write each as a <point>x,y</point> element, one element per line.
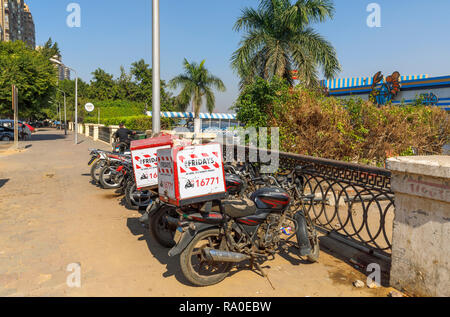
<point>145,161</point>
<point>191,174</point>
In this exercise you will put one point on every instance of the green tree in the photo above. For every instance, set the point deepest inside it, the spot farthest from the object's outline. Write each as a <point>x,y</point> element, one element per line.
<point>197,84</point>
<point>256,102</point>
<point>68,86</point>
<point>32,73</point>
<point>279,39</point>
<point>144,81</point>
<point>102,86</point>
<point>50,49</point>
<point>126,87</point>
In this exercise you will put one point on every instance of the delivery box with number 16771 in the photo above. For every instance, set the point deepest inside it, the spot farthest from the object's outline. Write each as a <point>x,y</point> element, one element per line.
<point>191,174</point>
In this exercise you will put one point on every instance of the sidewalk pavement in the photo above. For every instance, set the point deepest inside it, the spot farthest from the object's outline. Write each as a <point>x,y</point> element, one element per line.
<point>51,216</point>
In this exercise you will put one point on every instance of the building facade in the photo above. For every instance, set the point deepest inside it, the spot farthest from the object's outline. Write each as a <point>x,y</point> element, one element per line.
<point>29,35</point>
<point>396,89</point>
<point>63,72</point>
<point>16,22</point>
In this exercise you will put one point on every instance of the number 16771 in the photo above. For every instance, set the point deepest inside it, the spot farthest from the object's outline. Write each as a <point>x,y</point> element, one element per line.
<point>207,181</point>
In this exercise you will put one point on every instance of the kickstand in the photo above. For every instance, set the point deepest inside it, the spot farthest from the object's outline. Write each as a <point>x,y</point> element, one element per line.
<point>263,273</point>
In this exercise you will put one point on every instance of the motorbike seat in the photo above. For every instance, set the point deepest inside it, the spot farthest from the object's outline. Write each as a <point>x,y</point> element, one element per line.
<point>239,208</point>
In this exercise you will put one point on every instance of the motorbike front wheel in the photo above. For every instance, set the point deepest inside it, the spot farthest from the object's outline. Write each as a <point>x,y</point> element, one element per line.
<point>108,179</point>
<point>314,240</point>
<point>135,198</point>
<point>96,168</point>
<point>196,268</point>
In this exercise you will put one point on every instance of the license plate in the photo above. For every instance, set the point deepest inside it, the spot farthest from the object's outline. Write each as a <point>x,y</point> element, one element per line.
<point>92,161</point>
<point>178,235</point>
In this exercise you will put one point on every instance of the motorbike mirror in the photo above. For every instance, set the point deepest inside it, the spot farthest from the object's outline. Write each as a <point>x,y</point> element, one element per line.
<point>301,169</point>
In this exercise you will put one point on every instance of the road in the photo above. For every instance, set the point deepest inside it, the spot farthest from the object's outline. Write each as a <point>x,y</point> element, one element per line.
<point>51,216</point>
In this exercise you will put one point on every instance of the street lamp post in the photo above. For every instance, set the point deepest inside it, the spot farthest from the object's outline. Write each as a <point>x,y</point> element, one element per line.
<point>56,61</point>
<point>60,119</point>
<point>65,113</point>
<point>156,121</point>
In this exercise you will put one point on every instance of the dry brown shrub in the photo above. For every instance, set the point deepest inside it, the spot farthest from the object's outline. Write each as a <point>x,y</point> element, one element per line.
<point>312,124</point>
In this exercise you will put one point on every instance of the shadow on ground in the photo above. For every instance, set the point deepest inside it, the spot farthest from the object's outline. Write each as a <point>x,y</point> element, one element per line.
<point>173,263</point>
<point>159,252</point>
<point>3,182</point>
<point>46,137</point>
<point>357,259</point>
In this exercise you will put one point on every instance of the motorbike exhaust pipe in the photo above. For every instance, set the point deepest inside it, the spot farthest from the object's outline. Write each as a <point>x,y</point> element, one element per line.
<point>224,256</point>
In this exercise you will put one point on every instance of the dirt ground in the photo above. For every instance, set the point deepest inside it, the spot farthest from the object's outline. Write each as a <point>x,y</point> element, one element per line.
<point>51,215</point>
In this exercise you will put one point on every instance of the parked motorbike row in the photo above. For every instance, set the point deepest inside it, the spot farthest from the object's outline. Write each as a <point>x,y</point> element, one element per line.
<point>261,216</point>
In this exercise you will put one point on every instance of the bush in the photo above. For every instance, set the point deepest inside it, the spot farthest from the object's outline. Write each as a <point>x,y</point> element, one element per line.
<point>113,112</point>
<point>140,123</point>
<point>253,106</point>
<point>114,109</point>
<point>351,130</point>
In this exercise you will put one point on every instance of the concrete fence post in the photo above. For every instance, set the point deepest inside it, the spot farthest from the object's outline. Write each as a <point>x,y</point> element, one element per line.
<point>420,244</point>
<point>96,129</point>
<point>80,128</point>
<point>86,130</point>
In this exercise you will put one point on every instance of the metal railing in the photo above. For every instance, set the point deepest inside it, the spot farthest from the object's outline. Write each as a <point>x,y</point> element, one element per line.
<point>104,134</point>
<point>352,202</point>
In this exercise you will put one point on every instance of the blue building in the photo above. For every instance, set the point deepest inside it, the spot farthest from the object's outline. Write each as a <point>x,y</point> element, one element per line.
<point>434,91</point>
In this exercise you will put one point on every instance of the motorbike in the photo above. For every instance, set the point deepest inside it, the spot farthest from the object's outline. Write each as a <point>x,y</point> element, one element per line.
<point>134,198</point>
<point>97,162</point>
<point>115,171</point>
<point>163,218</point>
<point>110,177</point>
<point>251,229</point>
<point>248,173</point>
<point>120,147</point>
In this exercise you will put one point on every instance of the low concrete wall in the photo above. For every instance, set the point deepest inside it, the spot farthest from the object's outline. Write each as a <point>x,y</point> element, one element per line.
<point>420,246</point>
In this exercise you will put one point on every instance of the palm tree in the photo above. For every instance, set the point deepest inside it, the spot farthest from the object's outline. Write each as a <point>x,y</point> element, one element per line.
<point>197,84</point>
<point>278,40</point>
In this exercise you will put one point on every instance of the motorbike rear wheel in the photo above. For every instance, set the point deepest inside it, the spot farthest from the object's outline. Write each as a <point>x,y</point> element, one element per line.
<point>159,229</point>
<point>196,268</point>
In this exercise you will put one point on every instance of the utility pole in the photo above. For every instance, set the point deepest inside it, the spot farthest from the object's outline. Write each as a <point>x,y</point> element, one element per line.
<point>156,107</point>
<point>65,115</point>
<point>65,111</point>
<point>58,62</point>
<point>60,119</point>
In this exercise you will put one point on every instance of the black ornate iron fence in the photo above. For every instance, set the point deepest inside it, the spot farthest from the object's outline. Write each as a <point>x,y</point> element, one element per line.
<point>104,134</point>
<point>351,201</point>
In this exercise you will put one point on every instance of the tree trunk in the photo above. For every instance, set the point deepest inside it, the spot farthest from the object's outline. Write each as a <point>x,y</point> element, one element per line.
<point>197,125</point>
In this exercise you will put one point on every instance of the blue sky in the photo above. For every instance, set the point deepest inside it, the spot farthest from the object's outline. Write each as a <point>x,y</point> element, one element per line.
<point>413,38</point>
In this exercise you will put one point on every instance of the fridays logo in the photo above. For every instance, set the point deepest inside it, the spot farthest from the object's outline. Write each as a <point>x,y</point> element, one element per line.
<point>202,162</point>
